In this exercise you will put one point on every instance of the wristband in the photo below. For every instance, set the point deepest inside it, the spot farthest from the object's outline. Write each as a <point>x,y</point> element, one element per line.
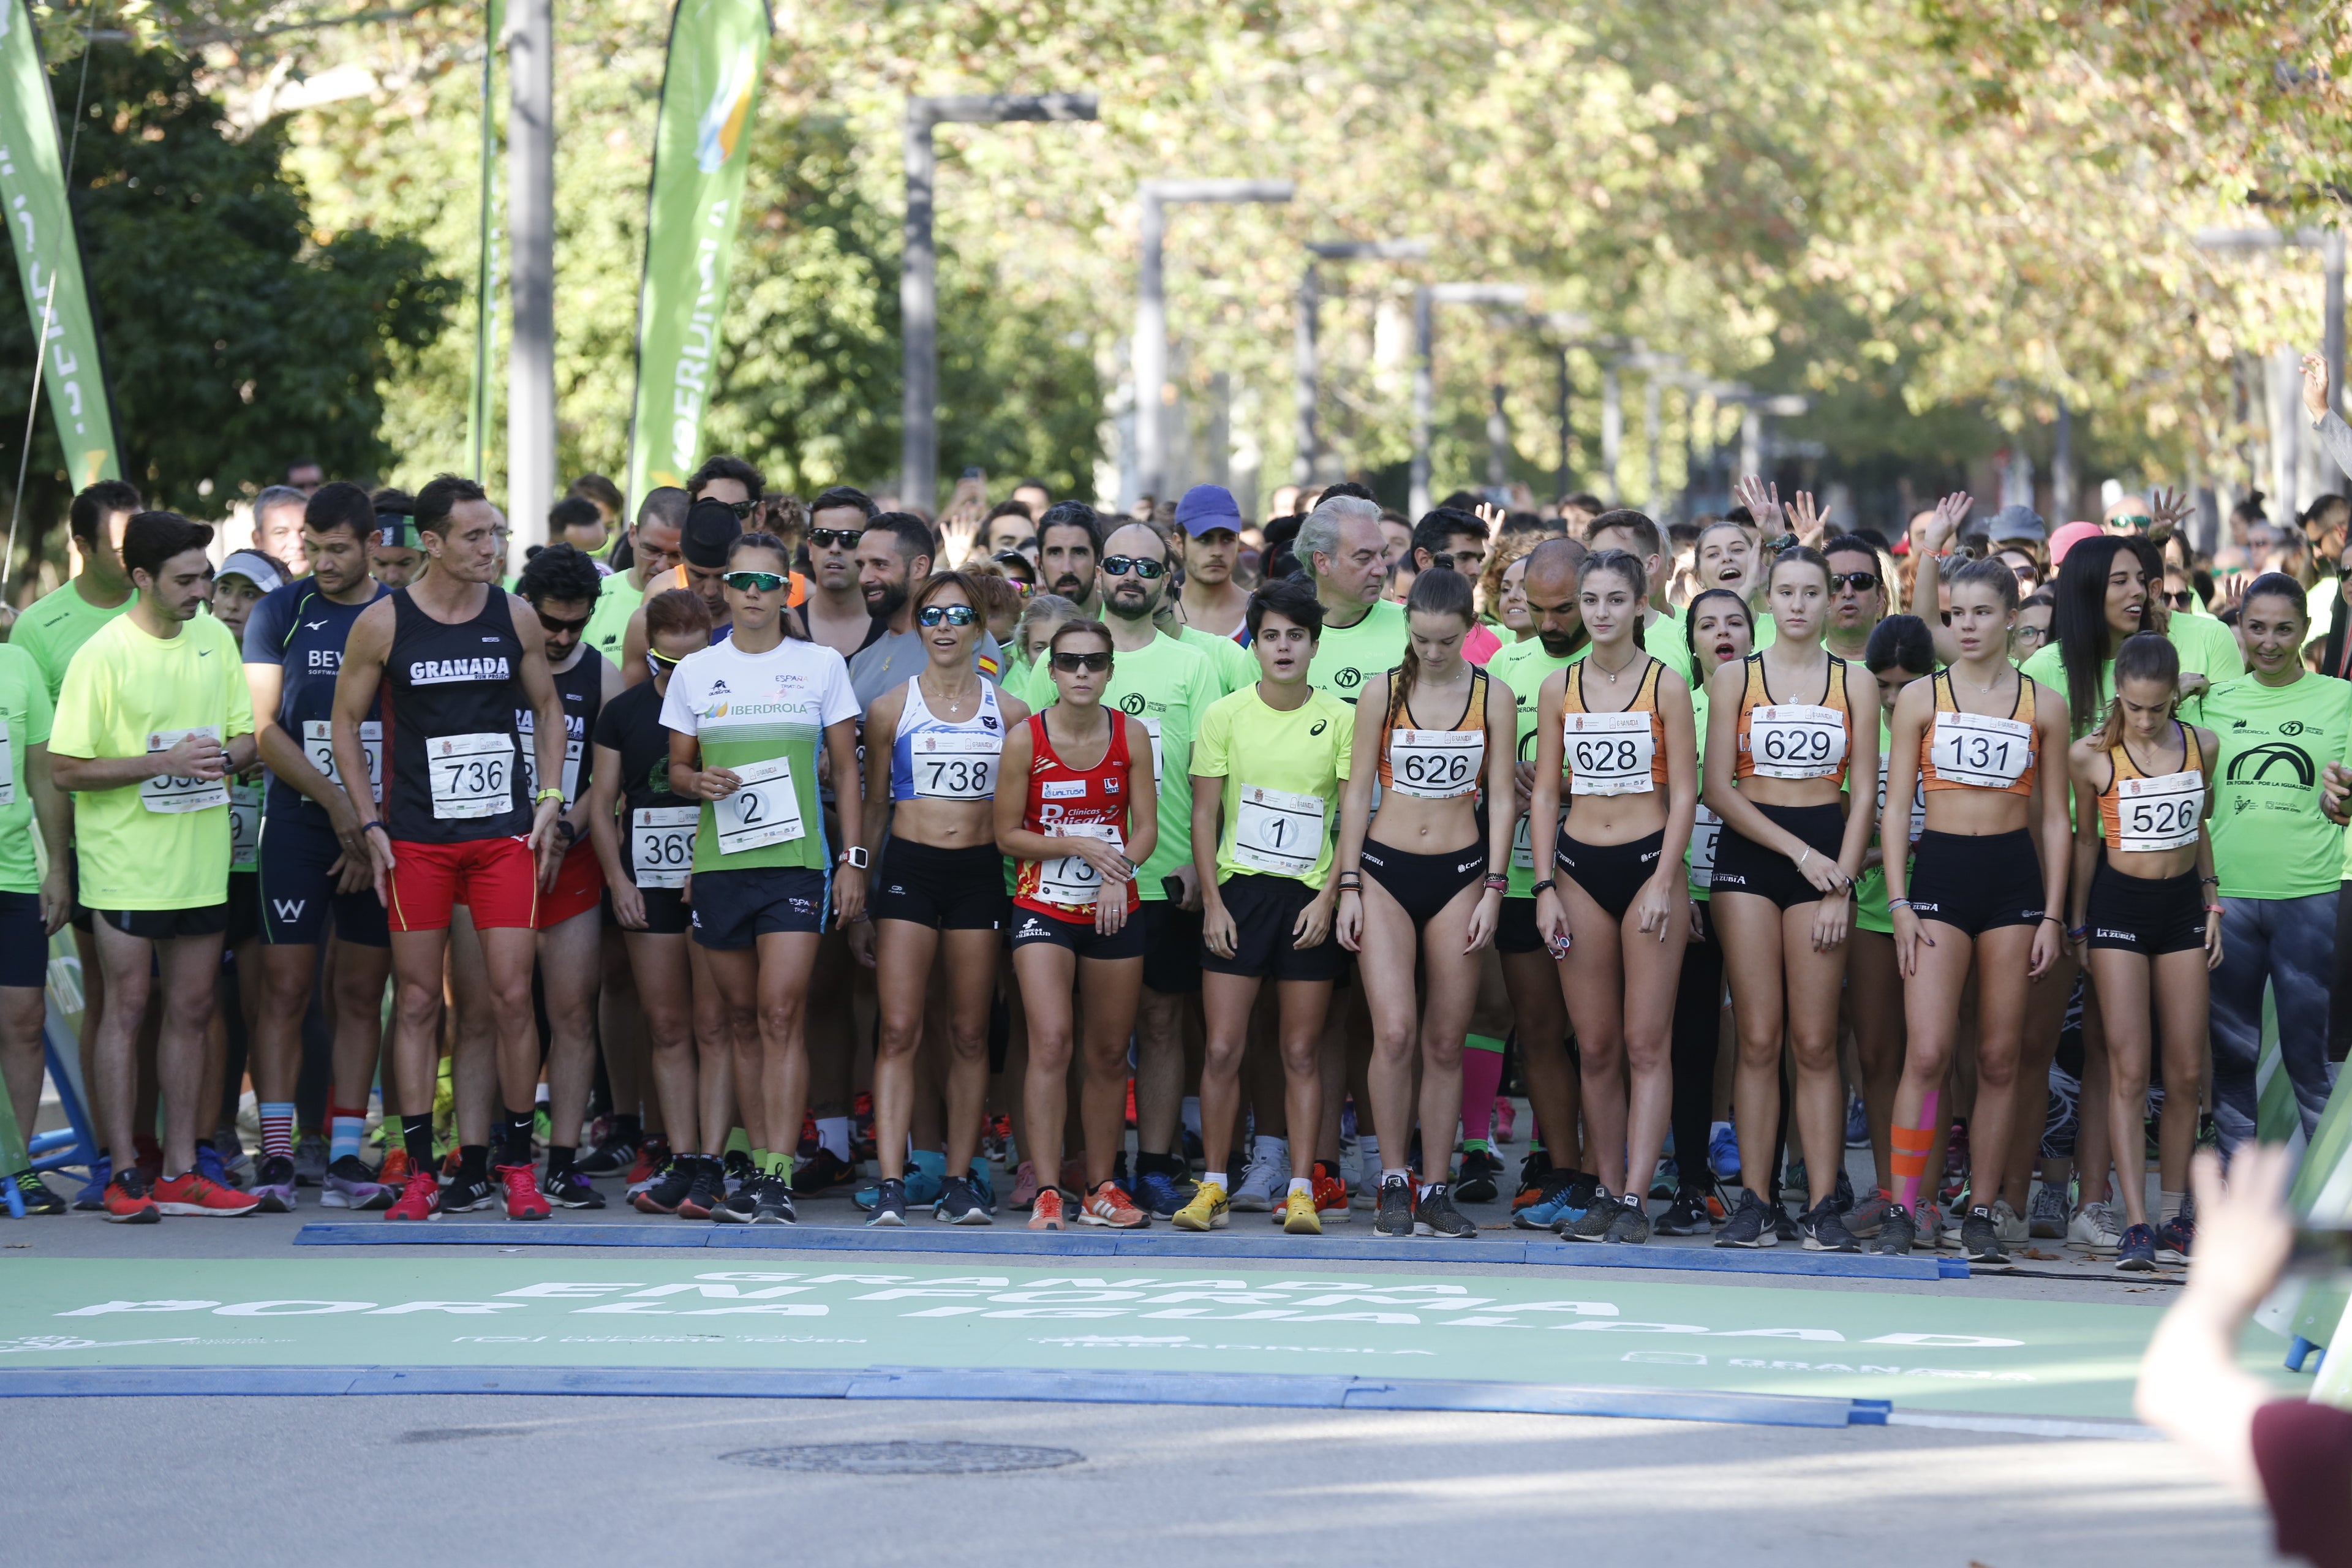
<point>2214,909</point>
<point>2078,932</point>
<point>1894,904</point>
<point>1351,881</point>
<point>1546,886</point>
<point>543,796</point>
<point>1497,884</point>
<point>2062,924</point>
<point>379,827</point>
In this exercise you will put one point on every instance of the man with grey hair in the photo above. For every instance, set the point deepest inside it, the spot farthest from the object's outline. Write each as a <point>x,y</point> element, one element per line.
<point>278,527</point>
<point>1345,554</point>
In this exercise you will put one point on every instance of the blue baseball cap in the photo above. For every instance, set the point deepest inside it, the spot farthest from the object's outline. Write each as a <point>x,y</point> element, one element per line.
<point>1208,507</point>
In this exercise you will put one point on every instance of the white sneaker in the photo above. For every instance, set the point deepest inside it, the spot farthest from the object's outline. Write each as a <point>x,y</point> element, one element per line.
<point>1265,1183</point>
<point>2093,1228</point>
<point>2008,1225</point>
<point>2046,1215</point>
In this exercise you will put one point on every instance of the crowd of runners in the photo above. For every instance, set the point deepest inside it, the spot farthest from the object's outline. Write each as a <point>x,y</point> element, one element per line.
<point>743,851</point>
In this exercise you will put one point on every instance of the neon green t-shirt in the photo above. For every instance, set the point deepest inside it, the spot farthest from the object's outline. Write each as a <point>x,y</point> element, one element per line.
<point>1666,640</point>
<point>753,711</point>
<point>617,599</point>
<point>2202,653</point>
<point>1236,666</point>
<point>56,626</point>
<point>25,714</point>
<point>1347,658</point>
<point>1524,667</point>
<point>2269,840</point>
<point>163,843</point>
<point>1277,768</point>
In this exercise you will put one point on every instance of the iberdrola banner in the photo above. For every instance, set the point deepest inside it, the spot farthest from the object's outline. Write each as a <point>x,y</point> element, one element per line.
<point>48,254</point>
<point>717,57</point>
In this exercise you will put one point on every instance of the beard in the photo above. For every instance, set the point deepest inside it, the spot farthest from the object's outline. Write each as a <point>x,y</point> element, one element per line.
<point>1559,645</point>
<point>1130,605</point>
<point>885,600</point>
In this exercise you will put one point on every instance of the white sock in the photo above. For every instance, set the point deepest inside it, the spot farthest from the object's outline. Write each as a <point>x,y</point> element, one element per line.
<point>1302,1184</point>
<point>1215,1178</point>
<point>1399,1172</point>
<point>833,1132</point>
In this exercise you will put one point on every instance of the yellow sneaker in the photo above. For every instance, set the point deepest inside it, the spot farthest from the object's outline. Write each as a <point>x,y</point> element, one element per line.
<point>1299,1217</point>
<point>1205,1212</point>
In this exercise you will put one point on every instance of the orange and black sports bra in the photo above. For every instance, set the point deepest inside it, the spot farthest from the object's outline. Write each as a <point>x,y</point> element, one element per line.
<point>2143,813</point>
<point>1612,753</point>
<point>1435,765</point>
<point>1793,740</point>
<point>1977,751</point>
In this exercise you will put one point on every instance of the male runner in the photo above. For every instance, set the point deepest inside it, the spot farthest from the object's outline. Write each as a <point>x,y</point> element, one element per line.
<point>654,542</point>
<point>278,518</point>
<point>836,611</point>
<point>152,718</point>
<point>1009,529</point>
<point>33,905</point>
<point>395,555</point>
<point>1213,602</point>
<point>451,655</point>
<point>893,558</point>
<point>1069,542</point>
<point>1342,546</point>
<point>313,856</point>
<point>712,527</point>
<point>1033,494</point>
<point>1662,629</point>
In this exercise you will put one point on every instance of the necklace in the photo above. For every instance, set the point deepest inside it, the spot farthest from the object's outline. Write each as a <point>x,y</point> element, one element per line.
<point>1613,674</point>
<point>1989,685</point>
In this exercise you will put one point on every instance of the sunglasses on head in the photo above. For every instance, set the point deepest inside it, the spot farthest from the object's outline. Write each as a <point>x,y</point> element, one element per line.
<point>947,615</point>
<point>753,582</point>
<point>1071,663</point>
<point>1120,565</point>
<point>826,538</point>
<point>1860,582</point>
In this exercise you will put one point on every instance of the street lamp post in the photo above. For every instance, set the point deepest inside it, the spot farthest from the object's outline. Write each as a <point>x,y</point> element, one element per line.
<point>1424,300</point>
<point>919,448</point>
<point>1308,357</point>
<point>531,230</point>
<point>1151,352</point>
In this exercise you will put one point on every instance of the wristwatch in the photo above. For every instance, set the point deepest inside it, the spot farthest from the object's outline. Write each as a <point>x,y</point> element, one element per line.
<point>854,857</point>
<point>1545,886</point>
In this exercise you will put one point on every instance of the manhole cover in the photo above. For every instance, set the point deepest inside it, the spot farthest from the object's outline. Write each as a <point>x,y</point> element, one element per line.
<point>906,1459</point>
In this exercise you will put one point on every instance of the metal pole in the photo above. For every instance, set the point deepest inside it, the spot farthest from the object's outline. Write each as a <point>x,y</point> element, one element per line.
<point>478,403</point>
<point>530,363</point>
<point>1752,439</point>
<point>2061,465</point>
<point>919,437</point>
<point>1302,463</point>
<point>1498,443</point>
<point>1612,430</point>
<point>1424,391</point>
<point>1151,348</point>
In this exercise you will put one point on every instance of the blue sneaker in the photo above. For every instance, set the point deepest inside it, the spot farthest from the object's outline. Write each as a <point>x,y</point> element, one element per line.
<point>1858,1124</point>
<point>981,1186</point>
<point>1157,1195</point>
<point>2136,1252</point>
<point>926,1170</point>
<point>1723,1153</point>
<point>92,1198</point>
<point>1566,1194</point>
<point>212,1167</point>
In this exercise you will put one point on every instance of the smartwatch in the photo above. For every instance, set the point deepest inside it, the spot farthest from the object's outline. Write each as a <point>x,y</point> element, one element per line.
<point>854,857</point>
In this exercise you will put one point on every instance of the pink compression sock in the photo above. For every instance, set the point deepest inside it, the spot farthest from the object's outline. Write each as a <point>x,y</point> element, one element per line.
<point>1482,1074</point>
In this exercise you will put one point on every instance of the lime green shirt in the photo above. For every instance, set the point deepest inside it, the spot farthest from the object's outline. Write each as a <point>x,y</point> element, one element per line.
<point>25,714</point>
<point>1524,667</point>
<point>147,846</point>
<point>617,599</point>
<point>1347,658</point>
<point>2269,840</point>
<point>1666,640</point>
<point>1274,764</point>
<point>2193,637</point>
<point>56,626</point>
<point>753,711</point>
<point>1236,666</point>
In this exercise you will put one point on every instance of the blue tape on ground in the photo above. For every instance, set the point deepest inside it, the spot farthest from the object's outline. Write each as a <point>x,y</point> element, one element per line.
<point>1205,1250</point>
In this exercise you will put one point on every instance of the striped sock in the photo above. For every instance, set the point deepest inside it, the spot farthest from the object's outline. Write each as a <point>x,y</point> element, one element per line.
<point>277,1130</point>
<point>349,1126</point>
<point>1911,1148</point>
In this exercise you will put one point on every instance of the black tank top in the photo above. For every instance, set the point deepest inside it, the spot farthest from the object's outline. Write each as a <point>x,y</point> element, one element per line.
<point>452,689</point>
<point>583,689</point>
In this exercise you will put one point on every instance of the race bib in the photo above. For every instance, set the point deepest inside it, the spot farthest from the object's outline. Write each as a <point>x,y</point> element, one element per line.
<point>2161,812</point>
<point>1069,880</point>
<point>766,810</point>
<point>1151,728</point>
<point>471,775</point>
<point>1610,753</point>
<point>1706,828</point>
<point>172,796</point>
<point>1523,848</point>
<point>1918,802</point>
<point>1796,741</point>
<point>1277,832</point>
<point>956,766</point>
<point>1435,765</point>
<point>7,766</point>
<point>244,826</point>
<point>319,745</point>
<point>572,750</point>
<point>1974,749</point>
<point>661,845</point>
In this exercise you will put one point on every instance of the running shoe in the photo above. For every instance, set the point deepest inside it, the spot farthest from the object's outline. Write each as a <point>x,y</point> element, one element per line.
<point>521,1188</point>
<point>653,1157</point>
<point>1566,1195</point>
<point>2174,1236</point>
<point>1895,1233</point>
<point>1045,1211</point>
<point>1436,1215</point>
<point>1980,1237</point>
<point>1823,1228</point>
<point>1506,1120</point>
<point>1209,1210</point>
<point>420,1199</point>
<point>926,1170</point>
<point>35,1194</point>
<point>1933,1227</point>
<point>737,1169</point>
<point>232,1150</point>
<point>352,1186</point>
<point>820,1172</point>
<point>1025,1187</point>
<point>393,1173</point>
<point>91,1199</point>
<point>2093,1229</point>
<point>1858,1124</point>
<point>609,1158</point>
<point>571,1189</point>
<point>311,1160</point>
<point>1331,1195</point>
<point>981,1188</point>
<point>1863,1220</point>
<point>466,1194</point>
<point>772,1201</point>
<point>1395,1215</point>
<point>738,1207</point>
<point>213,1168</point>
<point>669,1189</point>
<point>189,1193</point>
<point>705,1187</point>
<point>128,1201</point>
<point>2136,1254</point>
<point>274,1188</point>
<point>2008,1225</point>
<point>1686,1216</point>
<point>1107,1205</point>
<point>1594,1224</point>
<point>1751,1223</point>
<point>1532,1171</point>
<point>1479,1169</point>
<point>960,1204</point>
<point>2045,1214</point>
<point>1632,1224</point>
<point>1263,1183</point>
<point>889,1202</point>
<point>1723,1153</point>
<point>1784,1223</point>
<point>1300,1218</point>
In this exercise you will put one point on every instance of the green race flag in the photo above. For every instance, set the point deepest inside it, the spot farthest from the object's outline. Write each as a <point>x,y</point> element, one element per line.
<point>48,255</point>
<point>718,55</point>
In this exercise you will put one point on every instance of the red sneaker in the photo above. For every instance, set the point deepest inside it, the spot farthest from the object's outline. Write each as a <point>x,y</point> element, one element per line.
<point>395,1168</point>
<point>1046,1213</point>
<point>419,1199</point>
<point>524,1200</point>
<point>191,1194</point>
<point>1331,1192</point>
<point>1108,1206</point>
<point>652,1156</point>
<point>127,1200</point>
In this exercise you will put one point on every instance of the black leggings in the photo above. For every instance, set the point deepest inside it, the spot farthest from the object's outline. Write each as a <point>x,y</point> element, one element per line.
<point>1698,1024</point>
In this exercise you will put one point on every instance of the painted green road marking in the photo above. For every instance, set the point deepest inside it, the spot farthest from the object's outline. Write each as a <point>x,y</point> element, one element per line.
<point>1923,1351</point>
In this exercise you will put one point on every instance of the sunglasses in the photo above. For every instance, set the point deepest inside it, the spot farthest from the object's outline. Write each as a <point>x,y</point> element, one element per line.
<point>1120,565</point>
<point>2140,521</point>
<point>1071,663</point>
<point>753,582</point>
<point>1860,582</point>
<point>551,623</point>
<point>948,614</point>
<point>662,660</point>
<point>741,508</point>
<point>2181,600</point>
<point>826,538</point>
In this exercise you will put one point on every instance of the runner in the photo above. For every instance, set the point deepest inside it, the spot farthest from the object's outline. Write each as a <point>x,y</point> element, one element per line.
<point>1342,548</point>
<point>1211,602</point>
<point>711,532</point>
<point>643,839</point>
<point>1637,535</point>
<point>1435,885</point>
<point>1615,908</point>
<point>747,717</point>
<point>395,555</point>
<point>239,584</point>
<point>653,547</point>
<point>152,718</point>
<point>1785,864</point>
<point>1990,876</point>
<point>314,860</point>
<point>450,657</point>
<point>1078,830</point>
<point>836,613</point>
<point>2143,861</point>
<point>1278,753</point>
<point>931,816</point>
<point>1069,541</point>
<point>33,905</point>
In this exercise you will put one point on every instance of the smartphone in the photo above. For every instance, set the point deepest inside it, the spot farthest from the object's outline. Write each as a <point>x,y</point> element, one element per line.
<point>1174,887</point>
<point>975,473</point>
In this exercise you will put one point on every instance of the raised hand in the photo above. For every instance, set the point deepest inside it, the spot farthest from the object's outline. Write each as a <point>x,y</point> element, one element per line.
<point>2315,386</point>
<point>1762,500</point>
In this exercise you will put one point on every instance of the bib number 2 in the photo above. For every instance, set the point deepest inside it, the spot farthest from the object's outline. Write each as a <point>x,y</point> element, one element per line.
<point>766,810</point>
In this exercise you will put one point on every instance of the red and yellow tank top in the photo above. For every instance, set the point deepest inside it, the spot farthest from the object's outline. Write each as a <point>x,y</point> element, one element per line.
<point>1435,765</point>
<point>2142,813</point>
<point>1622,752</point>
<point>1068,802</point>
<point>1977,751</point>
<point>1793,740</point>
